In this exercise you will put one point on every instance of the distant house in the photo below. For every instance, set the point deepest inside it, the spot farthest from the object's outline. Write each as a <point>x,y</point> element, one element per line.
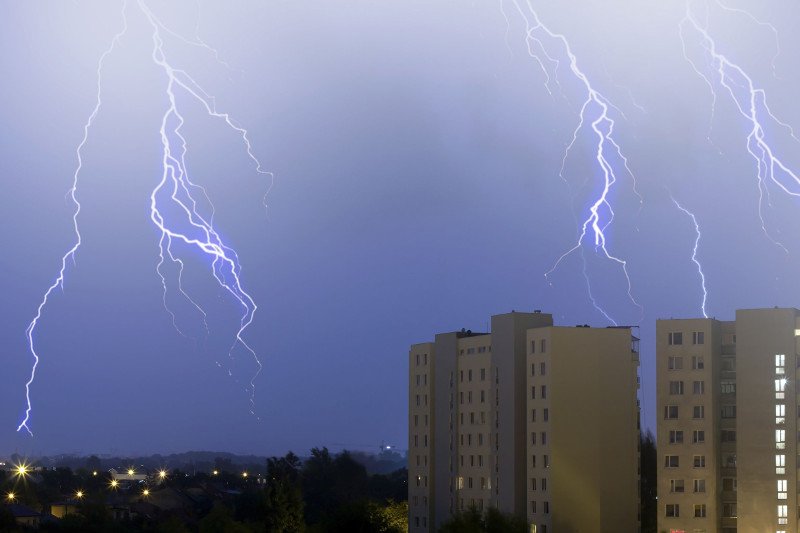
<point>64,508</point>
<point>24,515</point>
<point>127,475</point>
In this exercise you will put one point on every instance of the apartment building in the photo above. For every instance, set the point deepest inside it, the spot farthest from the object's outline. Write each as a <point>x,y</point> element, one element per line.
<point>530,418</point>
<point>727,429</point>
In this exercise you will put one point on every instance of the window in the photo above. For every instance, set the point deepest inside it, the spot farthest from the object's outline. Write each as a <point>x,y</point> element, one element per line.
<point>698,337</point>
<point>533,438</point>
<point>544,438</point>
<point>673,510</point>
<point>729,510</point>
<point>729,364</point>
<point>780,413</point>
<point>727,387</point>
<point>533,346</point>
<point>780,360</point>
<point>671,461</point>
<point>483,396</point>
<point>783,511</point>
<point>676,485</point>
<point>675,362</point>
<point>546,461</point>
<point>546,414</point>
<point>533,392</point>
<point>728,435</point>
<point>729,484</point>
<point>417,359</point>
<point>699,485</point>
<point>675,437</point>
<point>700,510</point>
<point>543,345</point>
<point>533,415</point>
<point>542,369</point>
<point>698,436</point>
<point>698,387</point>
<point>699,461</point>
<point>469,375</point>
<point>675,338</point>
<point>676,387</point>
<point>697,362</point>
<point>670,412</point>
<point>483,374</point>
<point>698,411</point>
<point>782,488</point>
<point>544,392</point>
<point>546,511</point>
<point>533,369</point>
<point>728,411</point>
<point>544,483</point>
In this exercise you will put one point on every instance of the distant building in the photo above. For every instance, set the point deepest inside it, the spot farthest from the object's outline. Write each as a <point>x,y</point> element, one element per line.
<point>532,419</point>
<point>727,427</point>
<point>128,474</point>
<point>24,515</point>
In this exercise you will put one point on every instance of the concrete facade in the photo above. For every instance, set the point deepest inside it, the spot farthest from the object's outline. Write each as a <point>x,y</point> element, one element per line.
<point>471,421</point>
<point>734,383</point>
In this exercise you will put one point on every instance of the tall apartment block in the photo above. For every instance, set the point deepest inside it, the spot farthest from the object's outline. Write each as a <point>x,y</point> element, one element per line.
<point>728,423</point>
<point>533,419</point>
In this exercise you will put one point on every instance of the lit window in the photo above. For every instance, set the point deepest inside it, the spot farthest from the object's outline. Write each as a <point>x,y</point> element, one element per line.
<point>780,360</point>
<point>782,484</point>
<point>783,511</point>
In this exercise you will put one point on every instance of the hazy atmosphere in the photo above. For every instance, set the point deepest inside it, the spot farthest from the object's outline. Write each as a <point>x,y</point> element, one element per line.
<point>418,185</point>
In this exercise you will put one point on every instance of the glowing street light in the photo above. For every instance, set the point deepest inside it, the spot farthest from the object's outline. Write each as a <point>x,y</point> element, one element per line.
<point>146,492</point>
<point>244,474</point>
<point>21,470</point>
<point>94,473</point>
<point>11,496</point>
<point>162,474</point>
<point>215,473</point>
<point>131,471</point>
<point>79,494</point>
<point>114,483</point>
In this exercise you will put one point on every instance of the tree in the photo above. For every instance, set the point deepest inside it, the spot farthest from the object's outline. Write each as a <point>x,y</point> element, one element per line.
<point>219,520</point>
<point>649,482</point>
<point>284,496</point>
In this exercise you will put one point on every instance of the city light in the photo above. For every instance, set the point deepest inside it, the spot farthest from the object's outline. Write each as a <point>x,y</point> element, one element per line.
<point>22,470</point>
<point>162,474</point>
<point>79,494</point>
<point>114,483</point>
<point>146,492</point>
<point>244,474</point>
<point>215,472</point>
<point>131,472</point>
<point>94,473</point>
<point>11,496</point>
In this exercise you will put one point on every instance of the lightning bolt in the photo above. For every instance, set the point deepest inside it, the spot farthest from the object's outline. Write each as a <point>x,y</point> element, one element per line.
<point>694,254</point>
<point>175,191</point>
<point>595,115</point>
<point>72,193</point>
<point>751,103</point>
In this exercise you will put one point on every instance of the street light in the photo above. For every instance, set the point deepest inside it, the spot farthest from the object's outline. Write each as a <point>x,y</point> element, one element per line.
<point>11,496</point>
<point>162,474</point>
<point>131,471</point>
<point>114,483</point>
<point>146,492</point>
<point>244,474</point>
<point>215,472</point>
<point>21,470</point>
<point>79,494</point>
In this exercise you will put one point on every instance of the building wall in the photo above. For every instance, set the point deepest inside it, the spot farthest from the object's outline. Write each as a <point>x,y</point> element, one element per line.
<point>479,452</point>
<point>688,356</point>
<point>420,436</point>
<point>586,443</point>
<point>763,335</point>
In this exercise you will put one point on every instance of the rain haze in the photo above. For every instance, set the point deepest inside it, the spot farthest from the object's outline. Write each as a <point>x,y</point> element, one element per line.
<point>418,185</point>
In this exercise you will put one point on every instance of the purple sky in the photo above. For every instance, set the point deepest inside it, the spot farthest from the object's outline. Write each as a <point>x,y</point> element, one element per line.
<point>416,153</point>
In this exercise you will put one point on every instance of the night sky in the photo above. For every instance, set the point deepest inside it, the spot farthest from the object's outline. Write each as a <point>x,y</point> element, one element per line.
<point>416,150</point>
